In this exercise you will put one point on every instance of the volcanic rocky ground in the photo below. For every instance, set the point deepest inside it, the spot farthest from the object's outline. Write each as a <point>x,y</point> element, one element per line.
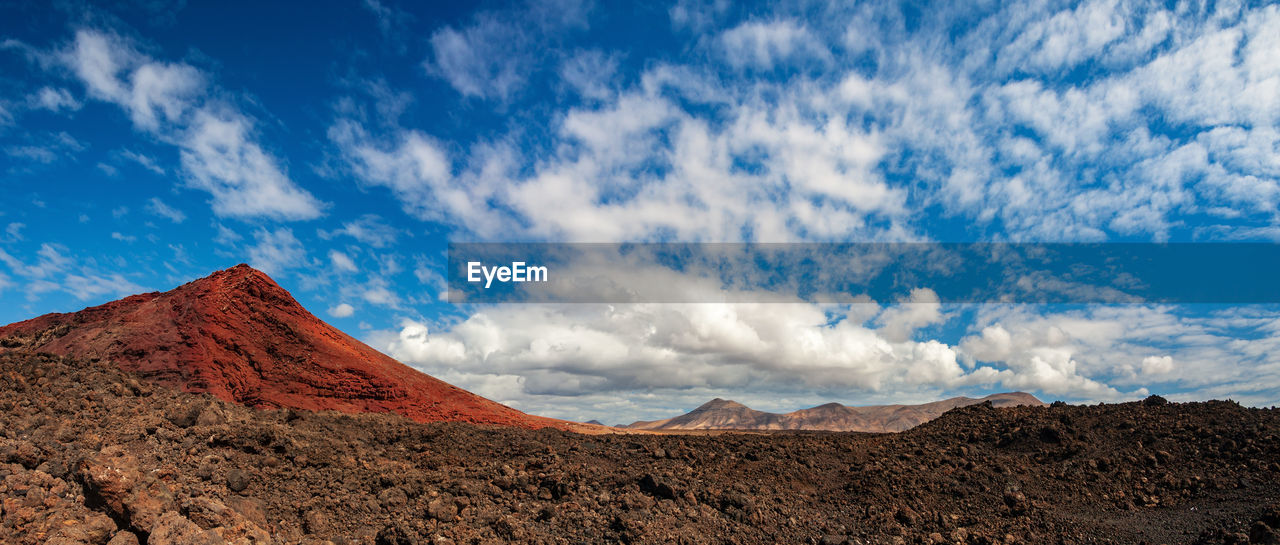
<point>93,454</point>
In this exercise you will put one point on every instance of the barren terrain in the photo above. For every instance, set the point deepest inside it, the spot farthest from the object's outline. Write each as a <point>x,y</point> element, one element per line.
<point>92,454</point>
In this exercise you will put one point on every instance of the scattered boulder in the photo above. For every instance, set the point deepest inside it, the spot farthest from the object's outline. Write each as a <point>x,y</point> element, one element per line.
<point>94,530</point>
<point>396,535</point>
<point>174,529</point>
<point>128,494</point>
<point>124,537</point>
<point>237,480</point>
<point>393,498</point>
<point>657,487</point>
<point>170,528</point>
<point>210,415</point>
<point>443,509</point>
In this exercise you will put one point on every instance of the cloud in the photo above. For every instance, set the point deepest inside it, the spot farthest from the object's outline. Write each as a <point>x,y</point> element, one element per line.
<point>766,44</point>
<point>431,278</point>
<point>583,350</point>
<point>150,91</point>
<point>493,55</point>
<point>342,310</point>
<point>391,20</point>
<point>93,286</point>
<point>922,308</point>
<point>378,291</point>
<point>413,168</point>
<point>638,166</point>
<point>477,60</point>
<point>589,73</point>
<point>697,15</point>
<point>221,158</point>
<point>1157,365</point>
<point>49,148</point>
<point>54,100</point>
<point>50,261</point>
<point>144,161</point>
<point>174,102</point>
<point>13,231</point>
<point>54,269</point>
<point>276,251</point>
<point>589,349</point>
<point>159,208</point>
<point>225,236</point>
<point>1051,155</point>
<point>1066,38</point>
<point>32,153</point>
<point>1201,83</point>
<point>1044,364</point>
<point>1091,353</point>
<point>417,170</point>
<point>341,262</point>
<point>369,229</point>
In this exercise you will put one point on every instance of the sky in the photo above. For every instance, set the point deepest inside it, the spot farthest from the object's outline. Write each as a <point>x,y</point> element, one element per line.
<point>340,146</point>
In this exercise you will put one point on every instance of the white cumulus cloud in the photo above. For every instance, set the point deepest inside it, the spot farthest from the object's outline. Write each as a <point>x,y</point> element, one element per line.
<point>342,310</point>
<point>219,150</point>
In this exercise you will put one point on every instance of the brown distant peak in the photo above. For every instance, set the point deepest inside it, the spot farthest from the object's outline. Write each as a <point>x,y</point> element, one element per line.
<point>828,406</point>
<point>719,403</point>
<point>1013,399</point>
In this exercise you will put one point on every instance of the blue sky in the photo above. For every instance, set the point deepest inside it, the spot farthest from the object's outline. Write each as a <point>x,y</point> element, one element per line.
<point>339,147</point>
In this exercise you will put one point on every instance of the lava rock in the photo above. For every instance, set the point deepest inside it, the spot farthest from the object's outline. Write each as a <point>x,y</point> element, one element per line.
<point>237,480</point>
<point>656,487</point>
<point>442,509</point>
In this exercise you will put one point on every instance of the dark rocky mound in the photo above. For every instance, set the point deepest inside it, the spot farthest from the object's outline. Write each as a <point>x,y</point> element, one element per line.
<point>90,454</point>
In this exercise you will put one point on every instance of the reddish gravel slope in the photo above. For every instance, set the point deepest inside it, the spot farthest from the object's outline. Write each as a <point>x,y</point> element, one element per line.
<point>238,335</point>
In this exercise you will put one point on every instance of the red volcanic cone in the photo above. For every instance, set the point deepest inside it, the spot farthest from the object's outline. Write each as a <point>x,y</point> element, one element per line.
<point>238,335</point>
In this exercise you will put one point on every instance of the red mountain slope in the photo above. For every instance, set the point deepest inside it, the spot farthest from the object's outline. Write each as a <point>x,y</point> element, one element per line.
<point>238,335</point>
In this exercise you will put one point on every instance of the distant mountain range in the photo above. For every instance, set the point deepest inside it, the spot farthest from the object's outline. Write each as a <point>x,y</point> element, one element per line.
<point>723,414</point>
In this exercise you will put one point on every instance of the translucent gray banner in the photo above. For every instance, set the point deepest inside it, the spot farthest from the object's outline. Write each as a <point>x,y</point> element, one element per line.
<point>864,272</point>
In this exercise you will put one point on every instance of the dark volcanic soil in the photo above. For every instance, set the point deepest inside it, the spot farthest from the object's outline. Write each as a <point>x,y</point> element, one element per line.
<point>89,454</point>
